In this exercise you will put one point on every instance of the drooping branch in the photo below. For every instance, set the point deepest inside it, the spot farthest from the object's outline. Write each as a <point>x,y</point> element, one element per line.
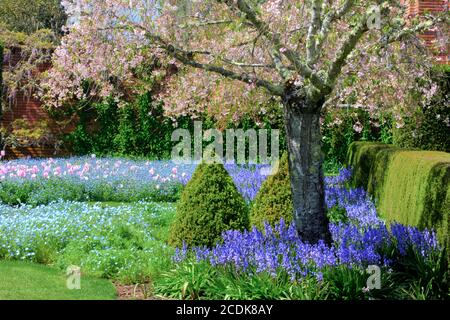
<point>187,58</point>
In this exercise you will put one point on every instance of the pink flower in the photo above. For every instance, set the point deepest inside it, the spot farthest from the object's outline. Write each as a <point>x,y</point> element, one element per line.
<point>151,171</point>
<point>358,127</point>
<point>21,173</point>
<point>174,170</point>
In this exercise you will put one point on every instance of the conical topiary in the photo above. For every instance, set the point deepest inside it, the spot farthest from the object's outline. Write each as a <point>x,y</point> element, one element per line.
<point>210,204</point>
<point>274,199</point>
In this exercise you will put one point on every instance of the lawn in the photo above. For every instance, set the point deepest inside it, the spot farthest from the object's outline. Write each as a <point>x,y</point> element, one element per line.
<point>29,281</point>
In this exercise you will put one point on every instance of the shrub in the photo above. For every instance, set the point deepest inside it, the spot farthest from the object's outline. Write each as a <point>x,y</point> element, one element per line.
<point>428,128</point>
<point>411,187</point>
<point>209,205</point>
<point>274,200</point>
<point>339,131</point>
<point>141,127</point>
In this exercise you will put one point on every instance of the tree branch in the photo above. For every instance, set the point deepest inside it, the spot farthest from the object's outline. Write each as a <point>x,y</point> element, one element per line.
<point>275,40</point>
<point>347,47</point>
<point>187,59</point>
<point>205,23</point>
<point>332,16</point>
<point>247,65</point>
<point>314,26</point>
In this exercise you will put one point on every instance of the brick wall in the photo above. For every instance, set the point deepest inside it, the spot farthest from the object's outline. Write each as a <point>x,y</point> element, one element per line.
<point>429,6</point>
<point>26,106</point>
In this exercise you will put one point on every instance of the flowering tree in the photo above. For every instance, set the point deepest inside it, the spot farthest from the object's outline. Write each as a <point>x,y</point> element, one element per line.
<point>235,54</point>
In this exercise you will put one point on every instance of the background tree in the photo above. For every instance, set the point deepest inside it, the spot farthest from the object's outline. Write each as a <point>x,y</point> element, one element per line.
<point>29,16</point>
<point>32,28</point>
<point>236,53</point>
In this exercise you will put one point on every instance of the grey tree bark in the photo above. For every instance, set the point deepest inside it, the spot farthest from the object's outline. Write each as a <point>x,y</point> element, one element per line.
<point>304,137</point>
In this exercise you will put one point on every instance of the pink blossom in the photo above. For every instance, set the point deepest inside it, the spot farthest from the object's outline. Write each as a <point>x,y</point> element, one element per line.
<point>358,127</point>
<point>21,173</point>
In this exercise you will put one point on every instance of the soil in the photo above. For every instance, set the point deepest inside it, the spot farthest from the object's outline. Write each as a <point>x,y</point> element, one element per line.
<point>136,292</point>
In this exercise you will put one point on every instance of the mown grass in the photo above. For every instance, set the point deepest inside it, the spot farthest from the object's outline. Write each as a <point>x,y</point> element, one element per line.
<point>29,281</point>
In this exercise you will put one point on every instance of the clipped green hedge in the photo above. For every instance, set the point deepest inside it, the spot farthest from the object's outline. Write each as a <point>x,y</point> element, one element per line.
<point>410,187</point>
<point>210,204</point>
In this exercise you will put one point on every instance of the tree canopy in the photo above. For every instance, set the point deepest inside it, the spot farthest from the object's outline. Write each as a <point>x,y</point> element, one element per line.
<point>234,55</point>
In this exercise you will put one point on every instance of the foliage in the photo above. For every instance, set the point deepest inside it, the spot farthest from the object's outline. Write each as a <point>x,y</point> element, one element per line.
<point>127,242</point>
<point>429,126</point>
<point>411,187</point>
<point>24,134</point>
<point>28,17</point>
<point>135,129</point>
<point>274,200</point>
<point>34,51</point>
<point>27,281</point>
<point>341,127</point>
<point>123,242</point>
<point>209,205</point>
<point>192,280</point>
<point>421,279</point>
<point>276,264</point>
<point>302,54</point>
<point>108,179</point>
<point>141,128</point>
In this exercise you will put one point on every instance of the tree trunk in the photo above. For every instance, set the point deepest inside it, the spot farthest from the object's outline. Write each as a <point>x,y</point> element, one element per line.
<point>304,140</point>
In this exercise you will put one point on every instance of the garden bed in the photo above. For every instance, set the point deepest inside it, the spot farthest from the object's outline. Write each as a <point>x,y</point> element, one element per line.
<point>127,242</point>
